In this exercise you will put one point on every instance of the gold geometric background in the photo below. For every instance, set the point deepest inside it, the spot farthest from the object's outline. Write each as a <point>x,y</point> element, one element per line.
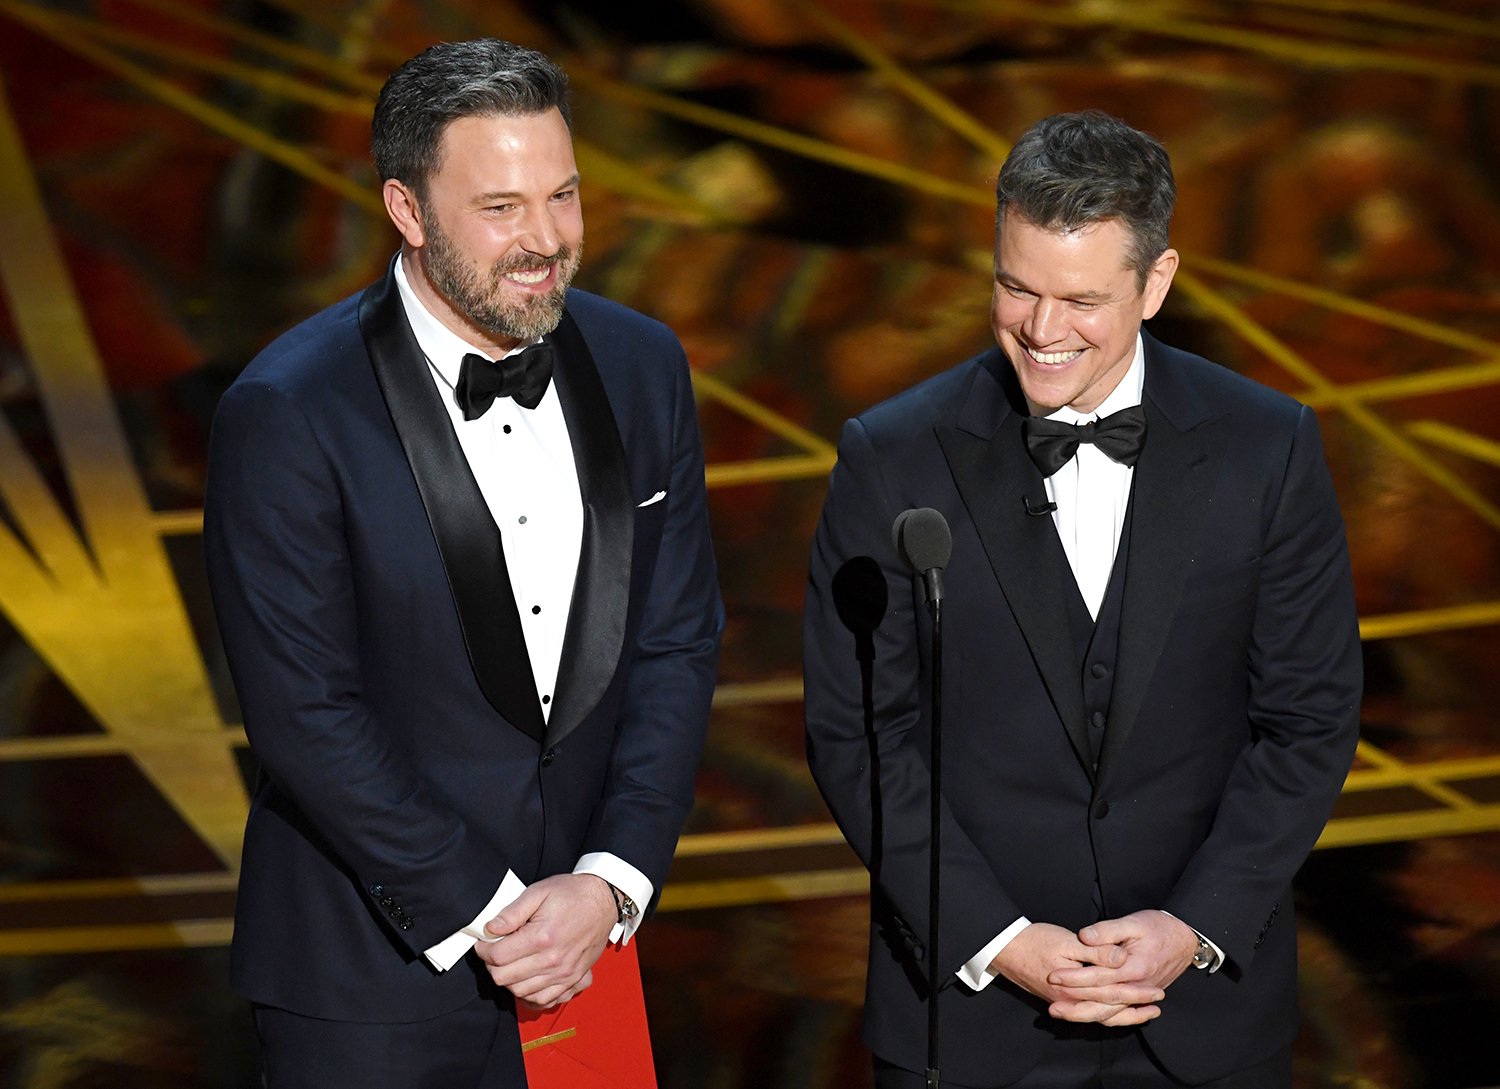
<point>1338,227</point>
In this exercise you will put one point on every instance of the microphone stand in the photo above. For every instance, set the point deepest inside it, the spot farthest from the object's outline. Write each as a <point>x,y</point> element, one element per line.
<point>934,581</point>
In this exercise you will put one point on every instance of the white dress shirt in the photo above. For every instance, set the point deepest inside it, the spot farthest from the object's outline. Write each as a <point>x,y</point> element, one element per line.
<point>1092,493</point>
<point>522,460</point>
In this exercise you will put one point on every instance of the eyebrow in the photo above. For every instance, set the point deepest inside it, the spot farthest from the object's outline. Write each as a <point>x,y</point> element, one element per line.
<point>487,198</point>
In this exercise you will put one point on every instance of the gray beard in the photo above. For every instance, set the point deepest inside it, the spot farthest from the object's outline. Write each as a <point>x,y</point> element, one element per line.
<point>478,299</point>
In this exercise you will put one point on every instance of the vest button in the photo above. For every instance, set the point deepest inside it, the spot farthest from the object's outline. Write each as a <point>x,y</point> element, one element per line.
<point>1101,809</point>
<point>1097,720</point>
<point>1099,670</point>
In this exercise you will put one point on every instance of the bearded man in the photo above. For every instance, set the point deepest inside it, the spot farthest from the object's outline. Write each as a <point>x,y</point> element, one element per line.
<point>457,539</point>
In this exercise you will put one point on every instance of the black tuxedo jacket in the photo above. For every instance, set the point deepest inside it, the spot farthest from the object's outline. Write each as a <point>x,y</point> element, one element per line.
<point>1231,724</point>
<point>373,637</point>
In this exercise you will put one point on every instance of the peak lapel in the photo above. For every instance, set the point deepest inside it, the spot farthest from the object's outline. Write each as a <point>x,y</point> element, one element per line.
<point>987,456</point>
<point>595,636</point>
<point>1169,505</point>
<point>467,537</point>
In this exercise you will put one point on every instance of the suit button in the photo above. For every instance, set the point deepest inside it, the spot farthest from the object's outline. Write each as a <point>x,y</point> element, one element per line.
<point>1099,670</point>
<point>1101,809</point>
<point>548,757</point>
<point>1097,720</point>
<point>377,890</point>
<point>405,924</point>
<point>387,901</point>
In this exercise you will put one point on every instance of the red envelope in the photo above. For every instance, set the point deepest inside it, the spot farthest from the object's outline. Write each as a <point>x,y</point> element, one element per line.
<point>598,1040</point>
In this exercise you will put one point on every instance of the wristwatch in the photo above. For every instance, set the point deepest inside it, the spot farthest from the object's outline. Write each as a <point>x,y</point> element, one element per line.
<point>625,908</point>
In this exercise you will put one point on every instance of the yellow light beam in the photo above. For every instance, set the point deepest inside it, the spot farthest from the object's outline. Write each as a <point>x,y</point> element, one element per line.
<point>1457,440</point>
<point>784,139</point>
<point>936,105</point>
<point>1426,18</point>
<point>1234,318</point>
<point>1397,827</point>
<point>773,888</point>
<point>609,171</point>
<point>1428,621</point>
<point>772,421</point>
<point>765,470</point>
<point>265,80</point>
<point>311,59</point>
<point>1296,49</point>
<point>1344,304</point>
<point>218,120</point>
<point>48,941</point>
<point>699,844</point>
<point>1399,774</point>
<point>1442,380</point>
<point>114,630</point>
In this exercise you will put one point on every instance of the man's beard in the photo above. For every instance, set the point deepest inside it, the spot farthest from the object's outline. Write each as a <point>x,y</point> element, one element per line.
<point>484,301</point>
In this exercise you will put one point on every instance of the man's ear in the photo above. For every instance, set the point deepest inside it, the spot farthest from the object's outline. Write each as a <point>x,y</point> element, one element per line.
<point>405,210</point>
<point>1158,281</point>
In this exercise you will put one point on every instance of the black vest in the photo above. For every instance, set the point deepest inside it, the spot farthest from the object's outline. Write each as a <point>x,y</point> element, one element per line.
<point>1096,641</point>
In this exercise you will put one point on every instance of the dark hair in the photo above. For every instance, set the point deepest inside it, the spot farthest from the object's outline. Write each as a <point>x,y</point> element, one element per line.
<point>486,77</point>
<point>1074,169</point>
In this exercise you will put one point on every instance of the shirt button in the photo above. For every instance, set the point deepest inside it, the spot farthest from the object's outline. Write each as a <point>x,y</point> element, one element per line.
<point>1101,809</point>
<point>1097,719</point>
<point>522,519</point>
<point>546,699</point>
<point>535,610</point>
<point>1099,669</point>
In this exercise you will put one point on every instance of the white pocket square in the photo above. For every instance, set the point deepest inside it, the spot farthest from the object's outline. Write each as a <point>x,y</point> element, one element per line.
<point>657,498</point>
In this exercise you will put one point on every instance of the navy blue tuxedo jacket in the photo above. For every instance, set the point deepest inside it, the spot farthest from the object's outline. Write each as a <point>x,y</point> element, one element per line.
<point>1232,718</point>
<point>372,634</point>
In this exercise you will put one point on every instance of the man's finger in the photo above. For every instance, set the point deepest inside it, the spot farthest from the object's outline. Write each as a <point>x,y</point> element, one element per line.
<point>1119,994</point>
<point>1065,1010</point>
<point>1108,932</point>
<point>1132,1015</point>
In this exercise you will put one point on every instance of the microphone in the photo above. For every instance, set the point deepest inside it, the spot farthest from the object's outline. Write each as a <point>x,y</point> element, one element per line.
<point>1036,507</point>
<point>860,598</point>
<point>923,540</point>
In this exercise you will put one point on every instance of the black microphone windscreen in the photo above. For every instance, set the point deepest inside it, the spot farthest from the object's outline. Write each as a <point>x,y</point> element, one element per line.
<point>923,539</point>
<point>859,594</point>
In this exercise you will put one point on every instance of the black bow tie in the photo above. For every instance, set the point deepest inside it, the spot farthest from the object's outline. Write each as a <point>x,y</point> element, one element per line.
<point>1051,442</point>
<point>523,377</point>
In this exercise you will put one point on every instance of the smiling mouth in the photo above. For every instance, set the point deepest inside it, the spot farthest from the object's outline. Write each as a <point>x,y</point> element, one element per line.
<point>1053,359</point>
<point>529,277</point>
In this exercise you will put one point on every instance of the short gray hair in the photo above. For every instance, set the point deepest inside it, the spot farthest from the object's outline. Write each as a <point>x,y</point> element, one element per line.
<point>486,77</point>
<point>1075,169</point>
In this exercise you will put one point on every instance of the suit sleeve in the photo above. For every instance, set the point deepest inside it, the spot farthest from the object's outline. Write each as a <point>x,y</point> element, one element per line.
<point>672,670</point>
<point>283,589</point>
<point>1306,676</point>
<point>876,779</point>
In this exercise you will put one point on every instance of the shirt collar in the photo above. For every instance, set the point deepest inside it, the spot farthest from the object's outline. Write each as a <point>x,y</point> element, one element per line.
<point>444,349</point>
<point>1124,395</point>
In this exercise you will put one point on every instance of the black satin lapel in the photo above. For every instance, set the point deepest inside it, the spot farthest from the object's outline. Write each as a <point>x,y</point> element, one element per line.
<point>1169,503</point>
<point>595,636</point>
<point>467,538</point>
<point>994,477</point>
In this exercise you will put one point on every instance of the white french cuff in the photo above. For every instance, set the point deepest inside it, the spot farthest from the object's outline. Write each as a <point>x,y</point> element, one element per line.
<point>976,971</point>
<point>448,952</point>
<point>625,877</point>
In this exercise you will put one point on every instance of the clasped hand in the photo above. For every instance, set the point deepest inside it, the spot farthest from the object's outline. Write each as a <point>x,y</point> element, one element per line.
<point>1114,972</point>
<point>549,938</point>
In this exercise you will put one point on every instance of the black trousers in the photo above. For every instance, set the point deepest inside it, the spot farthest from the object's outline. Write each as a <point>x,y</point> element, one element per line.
<point>1102,1059</point>
<point>474,1047</point>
